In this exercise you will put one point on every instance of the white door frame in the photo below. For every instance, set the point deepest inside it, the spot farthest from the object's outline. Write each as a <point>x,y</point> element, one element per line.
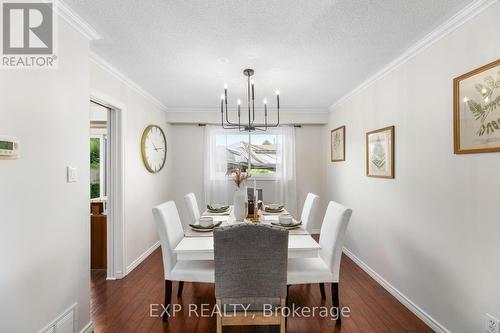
<point>116,267</point>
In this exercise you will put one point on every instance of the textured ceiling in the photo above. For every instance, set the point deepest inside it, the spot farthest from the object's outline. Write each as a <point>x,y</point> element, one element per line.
<point>314,51</point>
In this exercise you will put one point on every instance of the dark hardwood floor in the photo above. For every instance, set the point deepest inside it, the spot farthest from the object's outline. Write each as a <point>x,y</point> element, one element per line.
<point>124,305</point>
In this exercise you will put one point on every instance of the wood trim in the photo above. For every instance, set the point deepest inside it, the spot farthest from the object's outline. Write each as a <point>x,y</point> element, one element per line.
<point>392,150</point>
<point>343,141</point>
<point>456,111</point>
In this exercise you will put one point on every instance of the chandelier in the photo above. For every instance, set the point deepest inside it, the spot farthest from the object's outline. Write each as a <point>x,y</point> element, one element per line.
<point>250,125</point>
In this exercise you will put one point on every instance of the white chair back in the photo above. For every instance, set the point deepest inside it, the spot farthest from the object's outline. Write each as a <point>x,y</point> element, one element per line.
<point>192,205</point>
<point>170,230</point>
<point>332,235</point>
<point>309,208</point>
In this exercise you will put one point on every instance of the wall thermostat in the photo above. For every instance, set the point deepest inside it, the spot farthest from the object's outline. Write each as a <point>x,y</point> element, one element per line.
<point>9,147</point>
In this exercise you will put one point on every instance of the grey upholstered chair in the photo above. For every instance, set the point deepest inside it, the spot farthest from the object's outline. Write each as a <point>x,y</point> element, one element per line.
<point>250,269</point>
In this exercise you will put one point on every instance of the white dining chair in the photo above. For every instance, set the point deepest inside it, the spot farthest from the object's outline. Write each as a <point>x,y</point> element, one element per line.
<point>192,206</point>
<point>171,233</point>
<point>326,267</point>
<point>310,205</point>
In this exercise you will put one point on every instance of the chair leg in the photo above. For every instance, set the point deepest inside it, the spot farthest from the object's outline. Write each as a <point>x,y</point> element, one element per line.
<point>219,318</point>
<point>282,319</point>
<point>179,289</point>
<point>287,292</point>
<point>322,291</point>
<point>286,302</point>
<point>335,300</point>
<point>168,297</point>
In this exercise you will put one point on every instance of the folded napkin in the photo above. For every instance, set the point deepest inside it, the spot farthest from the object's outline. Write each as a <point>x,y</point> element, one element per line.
<point>217,208</point>
<point>278,210</point>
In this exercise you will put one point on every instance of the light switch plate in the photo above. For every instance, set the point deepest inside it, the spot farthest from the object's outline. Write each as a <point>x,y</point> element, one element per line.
<point>71,174</point>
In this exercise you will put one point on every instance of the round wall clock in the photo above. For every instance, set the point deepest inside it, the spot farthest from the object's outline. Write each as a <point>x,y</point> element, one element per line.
<point>153,148</point>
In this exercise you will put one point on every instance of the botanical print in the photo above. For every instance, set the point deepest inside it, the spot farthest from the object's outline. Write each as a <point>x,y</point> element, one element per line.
<point>478,108</point>
<point>380,153</point>
<point>338,144</point>
<point>378,156</point>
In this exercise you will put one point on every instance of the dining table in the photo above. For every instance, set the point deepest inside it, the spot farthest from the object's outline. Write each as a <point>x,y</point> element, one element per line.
<point>199,245</point>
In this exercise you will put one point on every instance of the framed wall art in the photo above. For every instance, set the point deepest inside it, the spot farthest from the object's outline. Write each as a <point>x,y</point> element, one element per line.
<point>380,153</point>
<point>337,144</point>
<point>476,109</point>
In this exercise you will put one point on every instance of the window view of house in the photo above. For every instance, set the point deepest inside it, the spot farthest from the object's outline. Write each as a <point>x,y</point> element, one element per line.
<point>254,152</point>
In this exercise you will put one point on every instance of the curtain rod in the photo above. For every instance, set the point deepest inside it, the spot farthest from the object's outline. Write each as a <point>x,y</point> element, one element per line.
<point>205,124</point>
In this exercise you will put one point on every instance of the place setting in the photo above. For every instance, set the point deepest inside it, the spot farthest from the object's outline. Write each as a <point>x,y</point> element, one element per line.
<point>206,225</point>
<point>287,222</point>
<point>274,209</point>
<point>217,209</point>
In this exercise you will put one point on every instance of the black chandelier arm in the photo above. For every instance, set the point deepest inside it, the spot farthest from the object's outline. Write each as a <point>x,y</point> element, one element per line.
<point>253,104</point>
<point>224,126</point>
<point>227,119</point>
<point>278,113</point>
<point>265,114</point>
<point>227,113</point>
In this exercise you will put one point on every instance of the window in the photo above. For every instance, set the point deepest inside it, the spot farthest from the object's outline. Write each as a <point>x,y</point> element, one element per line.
<point>97,166</point>
<point>255,152</point>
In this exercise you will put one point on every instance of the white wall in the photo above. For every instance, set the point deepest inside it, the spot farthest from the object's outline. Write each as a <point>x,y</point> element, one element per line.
<point>433,232</point>
<point>142,189</point>
<point>187,161</point>
<point>44,221</point>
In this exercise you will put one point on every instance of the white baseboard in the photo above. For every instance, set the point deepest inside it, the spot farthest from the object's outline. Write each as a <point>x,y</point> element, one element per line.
<point>141,258</point>
<point>436,326</point>
<point>315,231</point>
<point>89,328</point>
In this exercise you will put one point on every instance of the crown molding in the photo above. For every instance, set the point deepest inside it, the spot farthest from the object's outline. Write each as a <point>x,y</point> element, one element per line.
<point>71,17</point>
<point>125,80</point>
<point>78,23</point>
<point>441,31</point>
<point>283,109</point>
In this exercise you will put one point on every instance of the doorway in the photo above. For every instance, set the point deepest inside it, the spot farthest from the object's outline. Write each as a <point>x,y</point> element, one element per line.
<point>99,168</point>
<point>106,189</point>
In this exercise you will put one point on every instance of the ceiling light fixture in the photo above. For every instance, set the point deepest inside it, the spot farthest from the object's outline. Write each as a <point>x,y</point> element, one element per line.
<point>250,126</point>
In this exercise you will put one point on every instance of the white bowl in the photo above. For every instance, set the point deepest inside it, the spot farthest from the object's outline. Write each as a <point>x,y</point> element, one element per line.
<point>285,219</point>
<point>274,206</point>
<point>206,221</point>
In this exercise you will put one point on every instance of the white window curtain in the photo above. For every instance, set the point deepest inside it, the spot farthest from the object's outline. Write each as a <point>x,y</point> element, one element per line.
<point>216,182</point>
<point>219,189</point>
<point>285,183</point>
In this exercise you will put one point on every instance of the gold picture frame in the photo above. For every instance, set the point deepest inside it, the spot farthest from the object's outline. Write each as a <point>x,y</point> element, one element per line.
<point>337,144</point>
<point>380,153</point>
<point>476,110</point>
